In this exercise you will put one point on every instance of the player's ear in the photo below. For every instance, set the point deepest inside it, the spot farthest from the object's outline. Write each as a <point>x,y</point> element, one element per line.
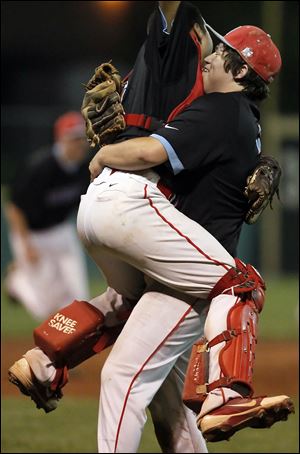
<point>242,72</point>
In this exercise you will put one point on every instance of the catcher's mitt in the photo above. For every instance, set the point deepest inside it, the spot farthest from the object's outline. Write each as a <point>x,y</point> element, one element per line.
<point>101,106</point>
<point>262,184</point>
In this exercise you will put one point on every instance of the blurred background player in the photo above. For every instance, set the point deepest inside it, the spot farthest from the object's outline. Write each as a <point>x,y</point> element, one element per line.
<point>48,268</point>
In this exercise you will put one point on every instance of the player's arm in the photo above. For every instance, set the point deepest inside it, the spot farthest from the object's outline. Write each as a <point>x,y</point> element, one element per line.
<point>169,10</point>
<point>134,154</point>
<point>18,224</point>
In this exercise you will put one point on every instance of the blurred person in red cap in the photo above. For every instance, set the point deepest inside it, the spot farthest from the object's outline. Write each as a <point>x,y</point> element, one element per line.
<point>48,268</point>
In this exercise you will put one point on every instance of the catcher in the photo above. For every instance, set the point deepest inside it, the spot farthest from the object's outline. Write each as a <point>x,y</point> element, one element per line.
<point>98,320</point>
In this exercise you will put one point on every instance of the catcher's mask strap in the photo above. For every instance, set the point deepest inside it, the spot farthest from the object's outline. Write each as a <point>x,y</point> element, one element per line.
<point>143,121</point>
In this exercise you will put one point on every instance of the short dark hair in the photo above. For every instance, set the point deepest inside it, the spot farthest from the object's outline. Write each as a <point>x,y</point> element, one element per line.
<point>255,87</point>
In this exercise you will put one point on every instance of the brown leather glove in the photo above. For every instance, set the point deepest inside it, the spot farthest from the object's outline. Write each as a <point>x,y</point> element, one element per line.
<point>262,184</point>
<point>101,106</point>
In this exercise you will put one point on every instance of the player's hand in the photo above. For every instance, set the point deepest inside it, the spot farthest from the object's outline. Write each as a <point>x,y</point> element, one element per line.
<point>95,166</point>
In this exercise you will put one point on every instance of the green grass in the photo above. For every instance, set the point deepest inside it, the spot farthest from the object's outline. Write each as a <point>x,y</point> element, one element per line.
<point>72,428</point>
<point>278,320</point>
<point>280,316</point>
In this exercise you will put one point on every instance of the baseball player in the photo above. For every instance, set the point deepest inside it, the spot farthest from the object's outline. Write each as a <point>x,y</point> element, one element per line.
<point>43,240</point>
<point>200,288</point>
<point>182,425</point>
<point>140,227</point>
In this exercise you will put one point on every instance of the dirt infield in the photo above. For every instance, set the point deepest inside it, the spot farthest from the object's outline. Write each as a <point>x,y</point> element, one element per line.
<point>276,369</point>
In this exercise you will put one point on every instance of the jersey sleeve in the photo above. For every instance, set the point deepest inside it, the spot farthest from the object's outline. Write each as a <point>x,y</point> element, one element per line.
<point>195,138</point>
<point>168,54</point>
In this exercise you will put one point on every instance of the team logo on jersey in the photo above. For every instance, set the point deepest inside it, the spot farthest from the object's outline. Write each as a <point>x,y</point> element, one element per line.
<point>171,127</point>
<point>124,90</point>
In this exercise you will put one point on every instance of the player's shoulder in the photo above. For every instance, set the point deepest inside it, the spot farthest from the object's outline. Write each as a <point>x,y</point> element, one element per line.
<point>218,102</point>
<point>41,156</point>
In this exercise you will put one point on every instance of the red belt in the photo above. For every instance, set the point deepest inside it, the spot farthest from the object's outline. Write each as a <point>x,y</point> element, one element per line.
<point>164,190</point>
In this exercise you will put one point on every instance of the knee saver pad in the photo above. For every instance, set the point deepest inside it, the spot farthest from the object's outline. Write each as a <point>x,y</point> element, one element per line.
<point>73,334</point>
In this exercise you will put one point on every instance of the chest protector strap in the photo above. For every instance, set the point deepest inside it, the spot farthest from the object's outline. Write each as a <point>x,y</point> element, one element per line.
<point>151,123</point>
<point>197,89</point>
<point>143,121</point>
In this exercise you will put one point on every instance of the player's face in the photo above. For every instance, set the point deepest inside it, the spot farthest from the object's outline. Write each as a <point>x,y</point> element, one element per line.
<point>215,78</point>
<point>75,148</point>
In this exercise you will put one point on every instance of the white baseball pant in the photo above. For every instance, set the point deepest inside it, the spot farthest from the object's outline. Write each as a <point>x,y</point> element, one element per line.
<point>59,276</point>
<point>124,219</point>
<point>175,424</point>
<point>128,226</point>
<point>146,367</point>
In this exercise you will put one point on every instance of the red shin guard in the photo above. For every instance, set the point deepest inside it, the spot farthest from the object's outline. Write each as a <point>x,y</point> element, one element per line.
<point>236,357</point>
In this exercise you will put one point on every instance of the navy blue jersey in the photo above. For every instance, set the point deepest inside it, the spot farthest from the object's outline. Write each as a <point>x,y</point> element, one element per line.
<point>212,147</point>
<point>46,192</point>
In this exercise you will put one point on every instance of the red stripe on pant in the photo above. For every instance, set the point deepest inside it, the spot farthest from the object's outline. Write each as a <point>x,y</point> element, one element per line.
<point>182,234</point>
<point>141,369</point>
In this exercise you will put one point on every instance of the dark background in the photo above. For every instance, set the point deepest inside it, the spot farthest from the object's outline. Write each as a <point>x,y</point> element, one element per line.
<point>50,48</point>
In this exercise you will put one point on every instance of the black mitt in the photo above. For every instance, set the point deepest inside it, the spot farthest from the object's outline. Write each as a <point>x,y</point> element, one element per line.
<point>101,106</point>
<point>262,184</point>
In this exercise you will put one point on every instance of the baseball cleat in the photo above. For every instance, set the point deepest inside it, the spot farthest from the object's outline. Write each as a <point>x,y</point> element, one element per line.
<point>257,412</point>
<point>22,376</point>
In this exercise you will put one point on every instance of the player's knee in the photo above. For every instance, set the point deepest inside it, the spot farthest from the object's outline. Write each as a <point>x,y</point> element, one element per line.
<point>110,375</point>
<point>217,315</point>
<point>115,374</point>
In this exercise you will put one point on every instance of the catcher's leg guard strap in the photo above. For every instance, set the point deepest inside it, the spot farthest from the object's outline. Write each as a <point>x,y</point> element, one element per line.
<point>235,358</point>
<point>74,334</point>
<point>243,281</point>
<point>196,376</point>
